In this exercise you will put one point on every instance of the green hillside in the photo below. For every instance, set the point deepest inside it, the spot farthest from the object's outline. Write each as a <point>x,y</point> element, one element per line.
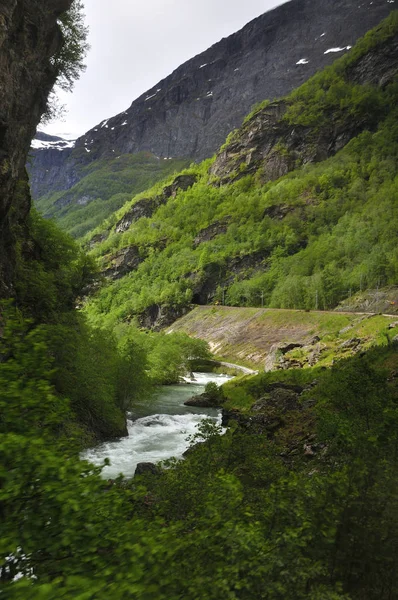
<point>323,231</point>
<point>105,186</point>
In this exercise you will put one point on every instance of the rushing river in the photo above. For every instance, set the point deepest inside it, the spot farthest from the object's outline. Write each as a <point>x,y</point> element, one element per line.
<point>157,428</point>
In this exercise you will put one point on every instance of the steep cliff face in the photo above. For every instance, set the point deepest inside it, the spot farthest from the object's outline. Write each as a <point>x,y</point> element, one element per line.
<point>29,37</point>
<point>275,143</point>
<point>190,113</point>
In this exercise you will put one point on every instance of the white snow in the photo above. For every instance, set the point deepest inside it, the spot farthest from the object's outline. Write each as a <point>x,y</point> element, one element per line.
<point>159,90</point>
<point>149,97</point>
<point>125,123</point>
<point>204,65</point>
<point>87,150</point>
<point>338,49</point>
<point>302,61</point>
<point>56,145</point>
<point>236,69</point>
<point>322,34</point>
<point>112,128</point>
<point>209,94</point>
<point>105,123</point>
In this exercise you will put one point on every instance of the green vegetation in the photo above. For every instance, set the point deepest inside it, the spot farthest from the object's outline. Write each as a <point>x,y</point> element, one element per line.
<point>305,510</point>
<point>338,235</point>
<point>97,373</point>
<point>307,240</point>
<point>105,186</point>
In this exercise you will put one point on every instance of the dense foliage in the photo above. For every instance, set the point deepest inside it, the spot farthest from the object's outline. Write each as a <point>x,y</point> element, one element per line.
<point>248,515</point>
<point>99,372</point>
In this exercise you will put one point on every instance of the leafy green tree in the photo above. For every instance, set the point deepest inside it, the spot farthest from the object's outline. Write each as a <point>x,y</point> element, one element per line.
<point>69,61</point>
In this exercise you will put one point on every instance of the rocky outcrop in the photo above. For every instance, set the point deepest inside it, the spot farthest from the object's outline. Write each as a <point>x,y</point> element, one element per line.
<point>190,112</point>
<point>147,206</point>
<point>143,468</point>
<point>212,231</point>
<point>123,262</point>
<point>143,208</point>
<point>157,316</point>
<point>267,413</point>
<point>214,276</point>
<point>201,401</point>
<point>29,37</point>
<point>278,355</point>
<point>272,146</point>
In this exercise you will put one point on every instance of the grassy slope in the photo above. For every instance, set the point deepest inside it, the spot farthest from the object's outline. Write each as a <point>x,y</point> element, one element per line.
<point>337,232</point>
<point>105,187</point>
<point>246,335</point>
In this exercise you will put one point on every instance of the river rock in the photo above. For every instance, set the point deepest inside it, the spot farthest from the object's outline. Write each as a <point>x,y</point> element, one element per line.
<point>147,467</point>
<point>203,401</point>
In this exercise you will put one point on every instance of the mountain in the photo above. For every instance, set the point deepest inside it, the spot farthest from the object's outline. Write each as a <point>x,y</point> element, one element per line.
<point>296,210</point>
<point>190,112</point>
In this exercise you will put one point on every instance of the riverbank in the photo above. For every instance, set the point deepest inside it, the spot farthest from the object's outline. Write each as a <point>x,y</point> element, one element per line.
<point>265,338</point>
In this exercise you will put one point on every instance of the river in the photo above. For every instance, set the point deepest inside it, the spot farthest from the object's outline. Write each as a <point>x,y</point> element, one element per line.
<point>157,428</point>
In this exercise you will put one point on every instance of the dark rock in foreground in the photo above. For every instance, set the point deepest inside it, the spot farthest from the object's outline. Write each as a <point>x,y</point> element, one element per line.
<point>147,467</point>
<point>202,401</point>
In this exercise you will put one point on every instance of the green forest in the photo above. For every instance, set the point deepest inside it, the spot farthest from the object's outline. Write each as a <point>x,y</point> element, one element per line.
<point>297,500</point>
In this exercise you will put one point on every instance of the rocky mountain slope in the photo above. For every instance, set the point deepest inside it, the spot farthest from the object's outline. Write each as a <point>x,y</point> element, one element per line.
<point>190,113</point>
<point>296,210</point>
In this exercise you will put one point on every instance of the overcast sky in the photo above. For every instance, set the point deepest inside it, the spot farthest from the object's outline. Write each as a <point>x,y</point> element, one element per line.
<point>136,43</point>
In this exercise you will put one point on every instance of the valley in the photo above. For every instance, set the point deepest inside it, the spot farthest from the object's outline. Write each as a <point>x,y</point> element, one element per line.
<point>199,317</point>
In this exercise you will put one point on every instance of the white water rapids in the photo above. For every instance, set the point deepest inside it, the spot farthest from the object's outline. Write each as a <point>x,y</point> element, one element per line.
<point>158,428</point>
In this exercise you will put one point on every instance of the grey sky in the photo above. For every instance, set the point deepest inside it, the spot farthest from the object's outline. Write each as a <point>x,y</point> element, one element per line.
<point>134,44</point>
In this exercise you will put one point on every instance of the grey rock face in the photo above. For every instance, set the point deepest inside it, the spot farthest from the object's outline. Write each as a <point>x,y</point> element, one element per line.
<point>190,113</point>
<point>212,231</point>
<point>123,262</point>
<point>29,37</point>
<point>147,467</point>
<point>270,142</point>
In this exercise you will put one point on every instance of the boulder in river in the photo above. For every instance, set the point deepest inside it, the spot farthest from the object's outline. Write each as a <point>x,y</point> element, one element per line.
<point>147,467</point>
<point>203,401</point>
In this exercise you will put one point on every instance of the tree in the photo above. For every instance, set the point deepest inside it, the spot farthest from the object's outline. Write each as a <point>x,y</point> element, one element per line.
<point>69,60</point>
